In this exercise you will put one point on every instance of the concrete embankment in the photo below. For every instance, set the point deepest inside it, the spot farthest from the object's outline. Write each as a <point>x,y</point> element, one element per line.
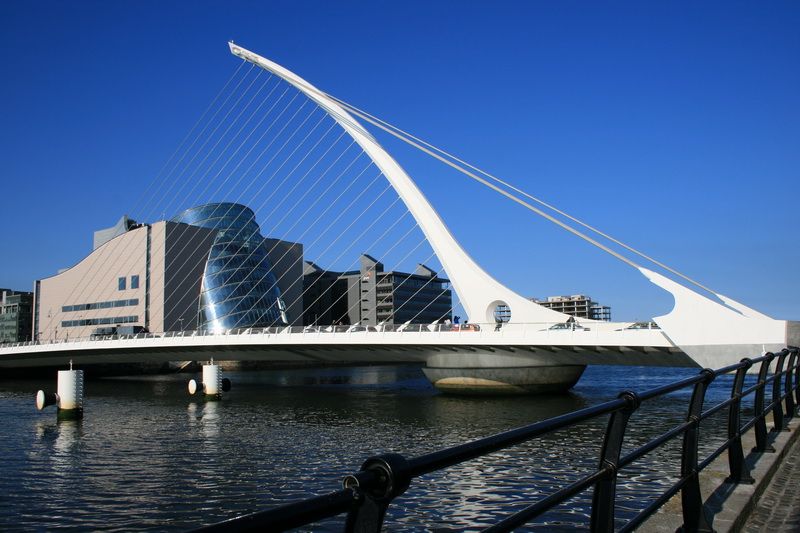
<point>743,507</point>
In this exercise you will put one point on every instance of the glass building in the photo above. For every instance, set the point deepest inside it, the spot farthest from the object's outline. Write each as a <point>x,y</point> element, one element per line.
<point>239,289</point>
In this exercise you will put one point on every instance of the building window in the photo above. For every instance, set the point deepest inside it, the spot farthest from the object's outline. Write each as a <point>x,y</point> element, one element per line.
<point>135,282</point>
<point>121,282</point>
<point>99,321</point>
<point>99,305</point>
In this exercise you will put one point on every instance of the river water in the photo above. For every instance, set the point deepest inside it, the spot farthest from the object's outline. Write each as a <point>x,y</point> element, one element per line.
<point>147,456</point>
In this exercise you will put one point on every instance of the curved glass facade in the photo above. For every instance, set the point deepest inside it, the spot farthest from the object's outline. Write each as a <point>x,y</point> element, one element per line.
<point>239,289</point>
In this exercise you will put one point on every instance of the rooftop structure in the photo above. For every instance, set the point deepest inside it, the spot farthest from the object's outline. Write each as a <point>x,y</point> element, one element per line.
<point>577,305</point>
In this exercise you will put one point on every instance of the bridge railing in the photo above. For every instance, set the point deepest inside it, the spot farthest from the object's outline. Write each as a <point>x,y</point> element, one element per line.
<point>367,494</point>
<point>557,329</point>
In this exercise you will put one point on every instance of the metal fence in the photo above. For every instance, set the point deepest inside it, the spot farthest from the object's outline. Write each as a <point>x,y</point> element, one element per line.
<point>367,494</point>
<point>470,328</point>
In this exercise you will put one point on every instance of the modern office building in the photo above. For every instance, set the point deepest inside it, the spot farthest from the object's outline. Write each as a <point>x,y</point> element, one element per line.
<point>325,299</point>
<point>208,268</point>
<point>15,316</point>
<point>577,305</point>
<point>370,296</point>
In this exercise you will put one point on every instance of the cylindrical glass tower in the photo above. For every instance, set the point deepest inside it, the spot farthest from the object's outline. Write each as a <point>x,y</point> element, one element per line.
<point>239,289</point>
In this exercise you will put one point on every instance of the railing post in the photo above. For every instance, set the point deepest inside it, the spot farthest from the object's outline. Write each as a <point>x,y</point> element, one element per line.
<point>777,405</point>
<point>787,385</point>
<point>738,468</point>
<point>605,490</point>
<point>797,381</point>
<point>760,413</point>
<point>367,515</point>
<point>694,515</point>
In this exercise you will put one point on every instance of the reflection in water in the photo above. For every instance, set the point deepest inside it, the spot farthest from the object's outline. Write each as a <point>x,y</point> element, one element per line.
<point>204,418</point>
<point>49,473</point>
<point>69,432</point>
<point>149,456</point>
<point>46,430</point>
<point>210,422</point>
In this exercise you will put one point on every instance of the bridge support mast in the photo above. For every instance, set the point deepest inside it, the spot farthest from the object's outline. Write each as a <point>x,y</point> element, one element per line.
<point>480,294</point>
<point>478,291</point>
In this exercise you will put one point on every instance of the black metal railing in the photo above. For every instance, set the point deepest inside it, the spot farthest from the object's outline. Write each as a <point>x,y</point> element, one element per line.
<point>367,494</point>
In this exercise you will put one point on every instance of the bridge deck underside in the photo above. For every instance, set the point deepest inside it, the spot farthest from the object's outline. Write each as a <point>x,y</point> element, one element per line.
<point>338,353</point>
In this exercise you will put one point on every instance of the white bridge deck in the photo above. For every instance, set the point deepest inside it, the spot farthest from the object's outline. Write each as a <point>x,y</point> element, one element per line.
<point>554,344</point>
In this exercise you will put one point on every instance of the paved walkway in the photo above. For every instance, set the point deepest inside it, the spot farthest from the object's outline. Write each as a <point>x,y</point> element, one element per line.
<point>778,509</point>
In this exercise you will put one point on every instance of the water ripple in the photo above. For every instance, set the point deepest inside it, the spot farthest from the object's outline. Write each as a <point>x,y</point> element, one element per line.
<point>149,457</point>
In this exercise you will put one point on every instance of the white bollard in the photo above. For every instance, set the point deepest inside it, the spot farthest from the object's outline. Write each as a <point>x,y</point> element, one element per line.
<point>213,384</point>
<point>70,389</point>
<point>69,396</point>
<point>212,379</point>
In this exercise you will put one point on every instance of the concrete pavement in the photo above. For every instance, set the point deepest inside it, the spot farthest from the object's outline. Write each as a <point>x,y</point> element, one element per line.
<point>778,508</point>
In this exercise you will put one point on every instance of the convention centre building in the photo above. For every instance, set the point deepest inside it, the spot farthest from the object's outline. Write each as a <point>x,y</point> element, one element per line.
<point>209,268</point>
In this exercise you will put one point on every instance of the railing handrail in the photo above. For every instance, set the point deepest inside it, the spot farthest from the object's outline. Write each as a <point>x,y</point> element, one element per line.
<point>367,494</point>
<point>467,328</point>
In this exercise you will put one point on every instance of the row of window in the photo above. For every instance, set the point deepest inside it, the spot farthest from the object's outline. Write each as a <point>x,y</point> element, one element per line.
<point>122,282</point>
<point>409,281</point>
<point>99,305</point>
<point>430,287</point>
<point>96,321</point>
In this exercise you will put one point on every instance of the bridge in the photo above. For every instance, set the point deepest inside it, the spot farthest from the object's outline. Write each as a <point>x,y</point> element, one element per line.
<point>509,343</point>
<point>516,356</point>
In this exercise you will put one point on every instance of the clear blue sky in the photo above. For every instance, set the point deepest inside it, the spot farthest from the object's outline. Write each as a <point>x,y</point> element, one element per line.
<point>674,126</point>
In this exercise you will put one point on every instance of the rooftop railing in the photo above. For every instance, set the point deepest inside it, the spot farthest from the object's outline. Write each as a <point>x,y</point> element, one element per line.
<point>367,494</point>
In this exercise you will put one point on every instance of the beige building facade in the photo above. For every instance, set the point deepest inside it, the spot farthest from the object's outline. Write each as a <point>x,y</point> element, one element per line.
<point>147,277</point>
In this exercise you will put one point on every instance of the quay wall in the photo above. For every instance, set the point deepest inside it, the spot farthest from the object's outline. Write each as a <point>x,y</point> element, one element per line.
<point>728,505</point>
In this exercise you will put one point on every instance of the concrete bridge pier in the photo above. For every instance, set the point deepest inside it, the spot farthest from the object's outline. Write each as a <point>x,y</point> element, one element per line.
<point>484,372</point>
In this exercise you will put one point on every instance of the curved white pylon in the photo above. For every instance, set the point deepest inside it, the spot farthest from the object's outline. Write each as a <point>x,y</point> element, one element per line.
<point>478,291</point>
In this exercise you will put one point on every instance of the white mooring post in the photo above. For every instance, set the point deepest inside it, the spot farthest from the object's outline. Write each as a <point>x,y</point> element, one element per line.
<point>68,397</point>
<point>213,384</point>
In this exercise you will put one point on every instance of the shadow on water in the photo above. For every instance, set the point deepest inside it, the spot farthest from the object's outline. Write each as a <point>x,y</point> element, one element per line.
<point>150,456</point>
